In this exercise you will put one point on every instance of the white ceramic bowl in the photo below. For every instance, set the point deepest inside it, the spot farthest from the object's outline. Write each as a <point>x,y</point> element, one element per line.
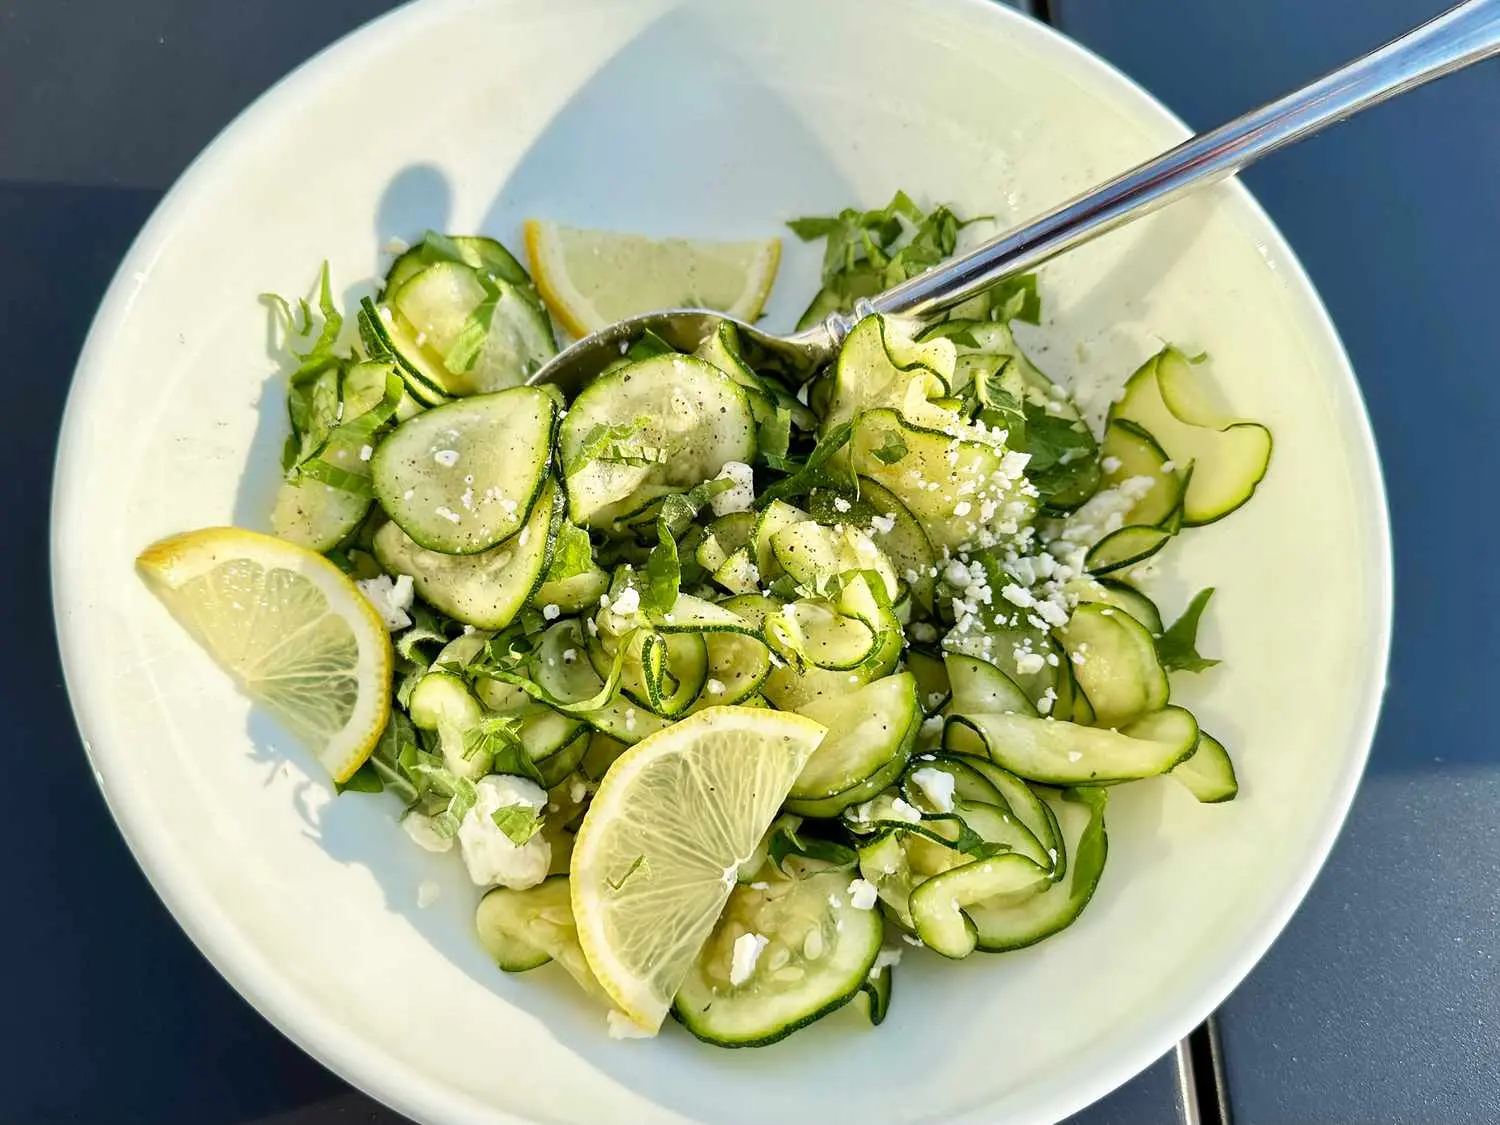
<point>725,119</point>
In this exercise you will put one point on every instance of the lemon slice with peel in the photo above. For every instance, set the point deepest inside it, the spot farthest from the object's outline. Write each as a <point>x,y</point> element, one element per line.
<point>658,851</point>
<point>292,630</point>
<point>592,278</point>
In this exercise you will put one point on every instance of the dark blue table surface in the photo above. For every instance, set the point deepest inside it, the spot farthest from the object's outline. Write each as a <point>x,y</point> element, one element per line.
<point>1381,1002</point>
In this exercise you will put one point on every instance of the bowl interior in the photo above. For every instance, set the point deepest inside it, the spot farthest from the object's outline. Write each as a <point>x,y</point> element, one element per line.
<point>719,119</point>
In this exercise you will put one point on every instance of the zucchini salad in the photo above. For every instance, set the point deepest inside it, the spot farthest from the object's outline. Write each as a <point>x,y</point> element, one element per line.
<point>729,684</point>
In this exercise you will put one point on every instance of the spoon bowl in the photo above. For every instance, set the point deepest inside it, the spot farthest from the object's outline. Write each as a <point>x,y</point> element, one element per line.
<point>685,329</point>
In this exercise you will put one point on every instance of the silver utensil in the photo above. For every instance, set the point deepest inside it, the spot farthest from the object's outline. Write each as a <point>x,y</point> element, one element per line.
<point>1464,35</point>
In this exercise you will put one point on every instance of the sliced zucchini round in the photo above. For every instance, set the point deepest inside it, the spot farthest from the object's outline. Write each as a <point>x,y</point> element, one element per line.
<point>1207,773</point>
<point>1168,398</point>
<point>475,335</point>
<point>970,479</point>
<point>940,905</point>
<point>462,477</point>
<point>1005,924</point>
<point>894,530</point>
<point>486,590</point>
<point>1063,753</point>
<point>737,666</point>
<point>482,253</point>
<point>1122,595</point>
<point>818,953</point>
<point>867,730</point>
<point>521,925</point>
<point>1114,663</point>
<point>660,425</point>
<point>315,515</point>
<point>1125,547</point>
<point>1135,453</point>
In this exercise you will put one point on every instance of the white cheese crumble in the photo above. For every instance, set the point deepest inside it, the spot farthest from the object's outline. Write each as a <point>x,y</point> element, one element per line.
<point>840,504</point>
<point>1029,663</point>
<point>489,854</point>
<point>394,245</point>
<point>366,452</point>
<point>862,894</point>
<point>740,494</point>
<point>888,957</point>
<point>390,600</point>
<point>903,811</point>
<point>747,951</point>
<point>937,786</point>
<point>1074,756</point>
<point>420,829</point>
<point>552,612</point>
<point>715,687</point>
<point>446,457</point>
<point>883,524</point>
<point>627,603</point>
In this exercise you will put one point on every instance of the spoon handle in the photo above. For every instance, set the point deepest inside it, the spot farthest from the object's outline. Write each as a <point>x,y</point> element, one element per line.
<point>1461,36</point>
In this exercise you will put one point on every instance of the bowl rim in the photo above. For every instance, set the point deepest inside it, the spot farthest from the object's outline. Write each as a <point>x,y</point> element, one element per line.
<point>407,1089</point>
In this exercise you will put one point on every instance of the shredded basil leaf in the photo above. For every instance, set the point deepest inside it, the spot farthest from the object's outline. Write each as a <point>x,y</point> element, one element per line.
<point>1177,648</point>
<point>519,822</point>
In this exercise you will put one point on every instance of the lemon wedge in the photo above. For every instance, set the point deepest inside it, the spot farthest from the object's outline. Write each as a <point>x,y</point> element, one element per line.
<point>658,851</point>
<point>293,631</point>
<point>592,278</point>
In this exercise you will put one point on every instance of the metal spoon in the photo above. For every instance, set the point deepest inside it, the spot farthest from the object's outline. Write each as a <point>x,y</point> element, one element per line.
<point>1466,34</point>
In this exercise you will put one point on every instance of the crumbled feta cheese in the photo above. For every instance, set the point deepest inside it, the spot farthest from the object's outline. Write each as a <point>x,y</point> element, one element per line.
<point>448,514</point>
<point>888,957</point>
<point>840,504</point>
<point>446,457</point>
<point>936,785</point>
<point>1074,756</point>
<point>366,452</point>
<point>420,829</point>
<point>883,524</point>
<point>428,891</point>
<point>1047,701</point>
<point>760,886</point>
<point>622,1026</point>
<point>862,894</point>
<point>903,811</point>
<point>931,727</point>
<point>394,245</point>
<point>390,599</point>
<point>1018,596</point>
<point>489,854</point>
<point>747,951</point>
<point>962,508</point>
<point>921,632</point>
<point>912,939</point>
<point>1029,663</point>
<point>577,791</point>
<point>715,687</point>
<point>627,603</point>
<point>1052,613</point>
<point>570,655</point>
<point>552,612</point>
<point>740,494</point>
<point>1110,464</point>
